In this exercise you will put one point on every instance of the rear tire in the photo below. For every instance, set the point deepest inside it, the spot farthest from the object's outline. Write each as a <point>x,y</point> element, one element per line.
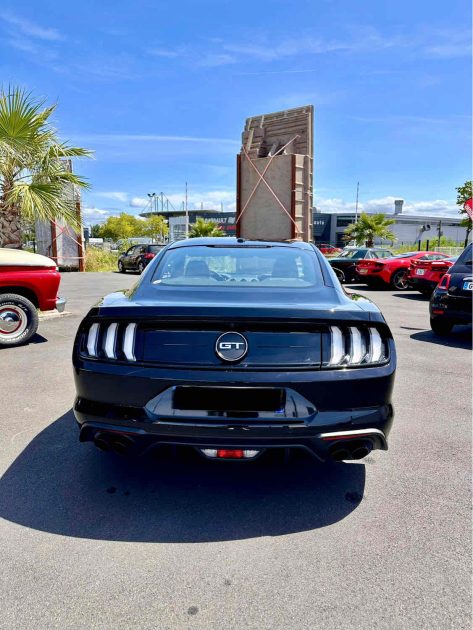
<point>121,268</point>
<point>18,320</point>
<point>441,326</point>
<point>340,275</point>
<point>141,267</point>
<point>400,280</point>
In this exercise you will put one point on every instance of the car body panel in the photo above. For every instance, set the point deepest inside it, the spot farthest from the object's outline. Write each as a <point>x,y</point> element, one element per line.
<point>424,275</point>
<point>454,303</point>
<point>288,336</point>
<point>31,275</point>
<point>348,266</point>
<point>139,254</point>
<point>382,271</point>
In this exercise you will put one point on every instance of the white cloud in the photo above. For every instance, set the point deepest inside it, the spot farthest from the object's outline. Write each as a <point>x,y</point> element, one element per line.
<point>208,200</point>
<point>139,202</point>
<point>168,53</point>
<point>434,207</point>
<point>30,29</point>
<point>95,215</point>
<point>101,137</point>
<point>116,196</point>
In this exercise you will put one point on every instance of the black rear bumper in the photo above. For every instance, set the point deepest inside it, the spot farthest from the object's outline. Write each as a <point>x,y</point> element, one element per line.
<point>136,402</point>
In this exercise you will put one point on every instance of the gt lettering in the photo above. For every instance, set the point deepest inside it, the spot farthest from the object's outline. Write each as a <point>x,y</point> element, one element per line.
<point>229,345</point>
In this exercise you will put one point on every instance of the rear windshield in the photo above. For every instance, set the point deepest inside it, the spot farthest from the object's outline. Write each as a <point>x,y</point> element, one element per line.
<point>154,249</point>
<point>206,266</point>
<point>353,253</point>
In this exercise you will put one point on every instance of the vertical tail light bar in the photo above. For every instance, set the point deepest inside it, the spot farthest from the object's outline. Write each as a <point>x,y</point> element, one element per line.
<point>110,341</point>
<point>338,346</point>
<point>129,342</point>
<point>356,353</point>
<point>92,340</point>
<point>376,346</point>
<point>355,346</point>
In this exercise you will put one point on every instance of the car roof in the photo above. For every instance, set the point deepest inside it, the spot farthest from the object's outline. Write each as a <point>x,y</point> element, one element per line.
<point>232,241</point>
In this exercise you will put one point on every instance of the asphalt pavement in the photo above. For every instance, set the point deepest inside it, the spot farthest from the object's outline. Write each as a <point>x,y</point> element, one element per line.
<point>89,540</point>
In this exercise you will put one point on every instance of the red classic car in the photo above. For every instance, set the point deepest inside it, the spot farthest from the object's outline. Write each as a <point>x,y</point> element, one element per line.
<point>28,282</point>
<point>392,272</point>
<point>424,275</point>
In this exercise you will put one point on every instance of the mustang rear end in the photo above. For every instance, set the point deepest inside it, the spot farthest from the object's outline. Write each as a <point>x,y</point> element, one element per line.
<point>235,347</point>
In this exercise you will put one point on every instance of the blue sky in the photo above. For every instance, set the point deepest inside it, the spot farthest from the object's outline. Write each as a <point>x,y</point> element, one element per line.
<point>160,91</point>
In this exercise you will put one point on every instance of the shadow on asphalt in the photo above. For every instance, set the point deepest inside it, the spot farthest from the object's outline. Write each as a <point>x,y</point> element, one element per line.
<point>460,337</point>
<point>60,486</point>
<point>418,297</point>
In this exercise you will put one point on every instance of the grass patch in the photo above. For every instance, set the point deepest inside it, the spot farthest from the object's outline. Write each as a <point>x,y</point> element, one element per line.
<point>100,260</point>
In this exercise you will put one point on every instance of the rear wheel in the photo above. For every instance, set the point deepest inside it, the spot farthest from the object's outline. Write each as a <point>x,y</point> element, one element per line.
<point>121,267</point>
<point>141,267</point>
<point>18,320</point>
<point>340,275</point>
<point>441,326</point>
<point>400,280</point>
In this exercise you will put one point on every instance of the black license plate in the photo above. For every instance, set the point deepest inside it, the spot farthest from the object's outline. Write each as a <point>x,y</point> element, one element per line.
<point>227,399</point>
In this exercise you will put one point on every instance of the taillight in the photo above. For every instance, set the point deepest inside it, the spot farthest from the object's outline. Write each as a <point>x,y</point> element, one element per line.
<point>148,256</point>
<point>110,340</point>
<point>445,281</point>
<point>355,346</point>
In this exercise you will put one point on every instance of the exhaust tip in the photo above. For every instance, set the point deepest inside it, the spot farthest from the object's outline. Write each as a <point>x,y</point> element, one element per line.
<point>339,454</point>
<point>360,452</point>
<point>101,442</point>
<point>121,445</point>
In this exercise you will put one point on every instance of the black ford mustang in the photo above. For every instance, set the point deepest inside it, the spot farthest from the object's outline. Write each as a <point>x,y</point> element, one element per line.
<point>234,347</point>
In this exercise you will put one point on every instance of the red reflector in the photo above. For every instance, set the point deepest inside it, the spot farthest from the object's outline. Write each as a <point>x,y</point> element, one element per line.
<point>148,256</point>
<point>438,311</point>
<point>225,453</point>
<point>346,437</point>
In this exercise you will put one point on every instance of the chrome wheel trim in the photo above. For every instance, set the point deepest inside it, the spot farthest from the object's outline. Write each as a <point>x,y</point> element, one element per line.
<point>13,321</point>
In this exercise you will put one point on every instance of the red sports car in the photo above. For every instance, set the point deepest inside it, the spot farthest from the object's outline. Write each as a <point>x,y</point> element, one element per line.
<point>28,282</point>
<point>392,272</point>
<point>328,250</point>
<point>424,275</point>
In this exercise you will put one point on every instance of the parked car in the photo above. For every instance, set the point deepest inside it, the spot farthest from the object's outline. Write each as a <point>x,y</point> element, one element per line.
<point>329,250</point>
<point>424,275</point>
<point>344,265</point>
<point>28,282</point>
<point>137,257</point>
<point>394,271</point>
<point>234,347</point>
<point>451,301</point>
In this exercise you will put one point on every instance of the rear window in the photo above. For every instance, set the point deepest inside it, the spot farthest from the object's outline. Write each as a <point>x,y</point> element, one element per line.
<point>154,249</point>
<point>248,267</point>
<point>353,253</point>
<point>465,257</point>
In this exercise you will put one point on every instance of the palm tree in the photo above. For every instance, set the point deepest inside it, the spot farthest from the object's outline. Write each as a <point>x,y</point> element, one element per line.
<point>368,227</point>
<point>202,227</point>
<point>35,178</point>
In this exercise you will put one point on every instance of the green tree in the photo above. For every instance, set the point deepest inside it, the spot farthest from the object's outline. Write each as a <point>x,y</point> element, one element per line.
<point>95,230</point>
<point>204,227</point>
<point>35,179</point>
<point>156,227</point>
<point>368,227</point>
<point>121,227</point>
<point>464,193</point>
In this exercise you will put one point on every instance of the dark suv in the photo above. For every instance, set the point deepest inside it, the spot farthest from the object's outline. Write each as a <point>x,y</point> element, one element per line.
<point>451,300</point>
<point>137,257</point>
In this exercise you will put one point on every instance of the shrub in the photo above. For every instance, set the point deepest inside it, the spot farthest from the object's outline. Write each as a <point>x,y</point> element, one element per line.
<point>100,260</point>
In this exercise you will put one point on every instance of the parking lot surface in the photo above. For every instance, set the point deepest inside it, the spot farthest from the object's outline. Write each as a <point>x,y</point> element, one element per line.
<point>89,540</point>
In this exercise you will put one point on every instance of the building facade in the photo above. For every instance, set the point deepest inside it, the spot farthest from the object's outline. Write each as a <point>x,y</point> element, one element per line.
<point>408,228</point>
